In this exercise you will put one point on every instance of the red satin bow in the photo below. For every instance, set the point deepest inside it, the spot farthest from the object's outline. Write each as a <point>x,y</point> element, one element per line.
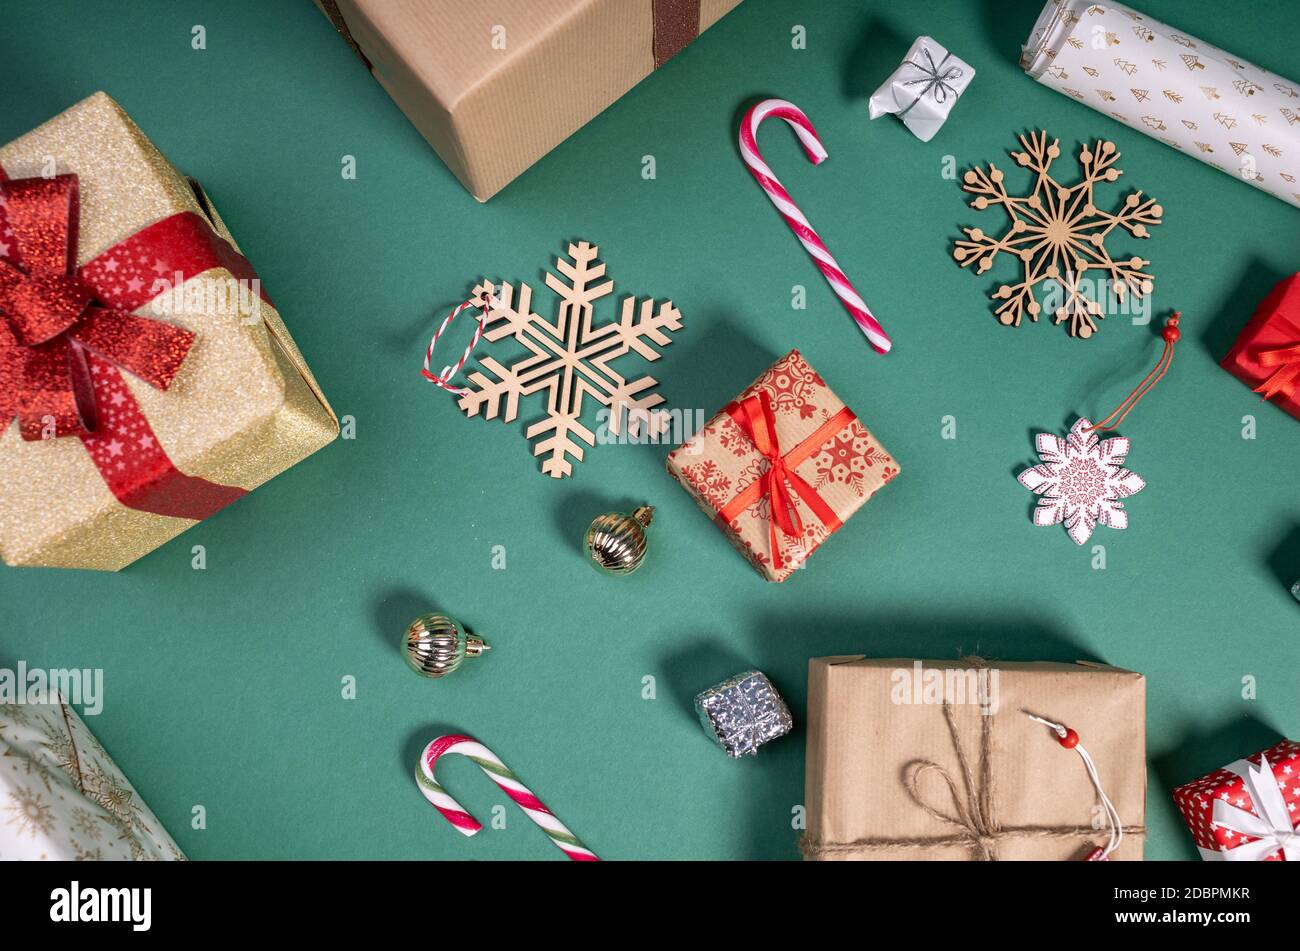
<point>1285,380</point>
<point>754,416</point>
<point>52,320</point>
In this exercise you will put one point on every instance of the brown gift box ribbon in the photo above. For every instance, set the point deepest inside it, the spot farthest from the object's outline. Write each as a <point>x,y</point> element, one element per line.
<point>974,816</point>
<point>676,24</point>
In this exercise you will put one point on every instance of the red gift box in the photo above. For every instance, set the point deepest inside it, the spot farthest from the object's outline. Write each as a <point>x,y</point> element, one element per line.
<point>1249,811</point>
<point>1266,356</point>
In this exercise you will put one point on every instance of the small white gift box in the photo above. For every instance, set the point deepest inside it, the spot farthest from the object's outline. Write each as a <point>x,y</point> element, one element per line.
<point>924,88</point>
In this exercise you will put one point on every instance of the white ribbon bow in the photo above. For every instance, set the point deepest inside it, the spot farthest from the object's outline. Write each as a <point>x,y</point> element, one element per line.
<point>1272,828</point>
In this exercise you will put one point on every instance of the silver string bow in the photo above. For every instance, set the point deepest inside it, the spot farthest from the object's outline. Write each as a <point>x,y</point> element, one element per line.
<point>936,82</point>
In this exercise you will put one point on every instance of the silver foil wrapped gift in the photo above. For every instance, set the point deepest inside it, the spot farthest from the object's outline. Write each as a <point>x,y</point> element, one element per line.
<point>924,88</point>
<point>743,712</point>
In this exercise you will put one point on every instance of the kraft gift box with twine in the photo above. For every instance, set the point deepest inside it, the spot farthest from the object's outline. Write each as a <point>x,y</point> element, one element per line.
<point>943,760</point>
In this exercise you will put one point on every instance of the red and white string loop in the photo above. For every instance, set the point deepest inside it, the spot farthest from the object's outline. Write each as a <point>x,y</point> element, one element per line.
<point>443,379</point>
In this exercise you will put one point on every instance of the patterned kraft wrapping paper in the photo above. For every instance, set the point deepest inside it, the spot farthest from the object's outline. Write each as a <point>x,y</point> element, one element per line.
<point>1195,801</point>
<point>63,798</point>
<point>494,85</point>
<point>720,461</point>
<point>861,743</point>
<point>1190,95</point>
<point>243,408</point>
<point>1274,325</point>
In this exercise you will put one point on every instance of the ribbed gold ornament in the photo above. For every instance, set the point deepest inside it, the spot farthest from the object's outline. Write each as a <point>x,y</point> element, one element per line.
<point>616,542</point>
<point>436,645</point>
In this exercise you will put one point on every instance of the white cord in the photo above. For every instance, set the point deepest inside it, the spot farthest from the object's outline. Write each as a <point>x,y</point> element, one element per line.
<point>1112,814</point>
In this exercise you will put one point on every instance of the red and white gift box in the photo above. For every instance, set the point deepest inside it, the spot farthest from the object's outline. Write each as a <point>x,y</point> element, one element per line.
<point>1249,811</point>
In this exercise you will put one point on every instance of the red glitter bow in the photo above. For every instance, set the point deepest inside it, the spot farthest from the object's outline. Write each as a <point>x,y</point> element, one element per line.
<point>53,318</point>
<point>67,332</point>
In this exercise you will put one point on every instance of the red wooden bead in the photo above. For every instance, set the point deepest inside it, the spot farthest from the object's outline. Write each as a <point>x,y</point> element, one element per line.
<point>1171,332</point>
<point>1070,740</point>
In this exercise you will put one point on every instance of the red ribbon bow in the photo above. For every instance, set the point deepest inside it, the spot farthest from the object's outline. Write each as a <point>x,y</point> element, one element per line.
<point>1285,380</point>
<point>67,332</point>
<point>754,415</point>
<point>54,319</point>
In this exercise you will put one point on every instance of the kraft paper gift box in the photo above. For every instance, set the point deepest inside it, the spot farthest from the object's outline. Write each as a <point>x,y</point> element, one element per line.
<point>1266,354</point>
<point>886,738</point>
<point>830,464</point>
<point>63,798</point>
<point>1248,811</point>
<point>496,84</point>
<point>146,381</point>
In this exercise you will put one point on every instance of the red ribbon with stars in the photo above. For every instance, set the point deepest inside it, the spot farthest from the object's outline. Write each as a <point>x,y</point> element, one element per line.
<point>67,333</point>
<point>754,416</point>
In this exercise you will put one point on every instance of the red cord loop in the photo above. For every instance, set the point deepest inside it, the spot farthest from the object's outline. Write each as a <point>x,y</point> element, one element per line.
<point>1170,333</point>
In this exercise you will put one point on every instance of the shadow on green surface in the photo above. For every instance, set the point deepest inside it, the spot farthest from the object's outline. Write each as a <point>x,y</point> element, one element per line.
<point>1008,24</point>
<point>1222,327</point>
<point>576,510</point>
<point>871,60</point>
<point>713,367</point>
<point>1283,559</point>
<point>394,612</point>
<point>1199,753</point>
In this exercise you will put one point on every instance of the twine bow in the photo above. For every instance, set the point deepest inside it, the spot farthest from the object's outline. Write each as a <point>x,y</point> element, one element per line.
<point>973,814</point>
<point>52,320</point>
<point>1284,381</point>
<point>755,417</point>
<point>937,83</point>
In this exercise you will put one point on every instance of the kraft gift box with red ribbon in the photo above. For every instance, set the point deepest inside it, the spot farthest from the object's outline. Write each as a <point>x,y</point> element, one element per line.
<point>1248,811</point>
<point>782,467</point>
<point>146,380</point>
<point>1266,355</point>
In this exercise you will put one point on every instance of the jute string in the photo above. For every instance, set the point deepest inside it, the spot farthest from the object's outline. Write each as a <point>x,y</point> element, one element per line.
<point>973,816</point>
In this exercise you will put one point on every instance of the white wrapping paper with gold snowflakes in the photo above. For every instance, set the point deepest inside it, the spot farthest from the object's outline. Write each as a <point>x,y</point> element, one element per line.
<point>1192,96</point>
<point>62,796</point>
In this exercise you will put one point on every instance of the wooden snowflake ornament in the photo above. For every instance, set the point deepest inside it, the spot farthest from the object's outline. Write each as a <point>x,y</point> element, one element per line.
<point>1059,235</point>
<point>570,360</point>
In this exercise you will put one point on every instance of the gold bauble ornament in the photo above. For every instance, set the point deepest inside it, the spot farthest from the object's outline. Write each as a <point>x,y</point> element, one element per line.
<point>436,645</point>
<point>616,542</point>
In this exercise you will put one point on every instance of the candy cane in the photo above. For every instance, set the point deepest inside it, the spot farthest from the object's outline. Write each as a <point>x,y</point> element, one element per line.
<point>443,379</point>
<point>812,145</point>
<point>500,774</point>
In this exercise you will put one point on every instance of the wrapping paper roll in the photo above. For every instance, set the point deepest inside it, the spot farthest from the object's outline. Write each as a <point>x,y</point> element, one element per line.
<point>1212,105</point>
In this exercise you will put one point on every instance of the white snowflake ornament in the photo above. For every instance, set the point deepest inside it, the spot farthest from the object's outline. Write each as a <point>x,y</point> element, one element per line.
<point>1081,480</point>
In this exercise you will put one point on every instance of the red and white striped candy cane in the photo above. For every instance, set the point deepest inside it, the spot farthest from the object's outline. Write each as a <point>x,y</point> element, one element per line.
<point>500,774</point>
<point>812,145</point>
<point>443,379</point>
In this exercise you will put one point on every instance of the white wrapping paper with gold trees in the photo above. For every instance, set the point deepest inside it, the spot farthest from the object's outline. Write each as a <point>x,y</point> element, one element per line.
<point>63,798</point>
<point>146,381</point>
<point>1191,95</point>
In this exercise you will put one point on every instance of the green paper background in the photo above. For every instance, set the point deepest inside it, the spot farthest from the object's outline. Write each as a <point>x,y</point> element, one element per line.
<point>223,685</point>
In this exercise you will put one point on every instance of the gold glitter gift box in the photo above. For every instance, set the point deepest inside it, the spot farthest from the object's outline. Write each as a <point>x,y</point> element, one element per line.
<point>153,443</point>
